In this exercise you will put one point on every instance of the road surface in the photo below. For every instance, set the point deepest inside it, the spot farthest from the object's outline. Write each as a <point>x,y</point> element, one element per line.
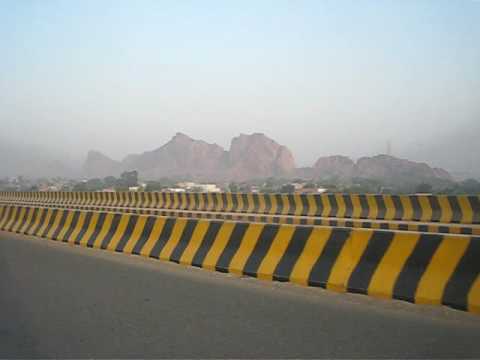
<point>59,300</point>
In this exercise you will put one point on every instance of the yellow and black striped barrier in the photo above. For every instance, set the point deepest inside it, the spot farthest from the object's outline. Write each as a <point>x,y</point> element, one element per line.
<point>464,229</point>
<point>416,267</point>
<point>425,208</point>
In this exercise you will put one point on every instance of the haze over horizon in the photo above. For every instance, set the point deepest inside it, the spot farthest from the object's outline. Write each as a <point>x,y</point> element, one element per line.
<point>320,77</point>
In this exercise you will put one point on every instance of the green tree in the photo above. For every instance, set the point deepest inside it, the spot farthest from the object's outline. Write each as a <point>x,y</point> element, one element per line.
<point>110,181</point>
<point>94,185</point>
<point>128,178</point>
<point>424,188</point>
<point>155,186</point>
<point>287,188</point>
<point>233,187</point>
<point>81,186</point>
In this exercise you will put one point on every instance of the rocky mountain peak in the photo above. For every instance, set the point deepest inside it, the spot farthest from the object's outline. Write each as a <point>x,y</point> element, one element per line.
<point>258,156</point>
<point>255,156</point>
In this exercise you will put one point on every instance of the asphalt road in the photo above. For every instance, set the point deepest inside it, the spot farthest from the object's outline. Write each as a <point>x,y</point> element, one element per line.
<point>58,300</point>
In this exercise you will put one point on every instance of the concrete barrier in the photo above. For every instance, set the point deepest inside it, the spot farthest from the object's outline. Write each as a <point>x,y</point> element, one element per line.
<point>425,208</point>
<point>452,228</point>
<point>419,268</point>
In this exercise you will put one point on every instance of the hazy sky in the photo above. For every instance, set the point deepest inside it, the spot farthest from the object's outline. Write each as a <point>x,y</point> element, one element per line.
<point>322,77</point>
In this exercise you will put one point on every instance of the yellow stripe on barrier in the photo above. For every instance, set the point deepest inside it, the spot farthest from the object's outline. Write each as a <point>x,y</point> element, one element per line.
<point>466,209</point>
<point>218,246</point>
<point>45,223</point>
<point>195,242</point>
<point>122,226</point>
<point>55,224</point>
<point>19,221</point>
<point>275,253</point>
<point>392,263</point>
<point>25,225</point>
<point>309,256</point>
<point>68,222</point>
<point>78,228</point>
<point>237,264</point>
<point>441,267</point>
<point>107,224</point>
<point>153,238</point>
<point>174,239</point>
<point>347,259</point>
<point>91,228</point>
<point>426,213</point>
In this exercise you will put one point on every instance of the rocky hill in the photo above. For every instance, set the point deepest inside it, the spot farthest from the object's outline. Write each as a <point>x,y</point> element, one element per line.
<point>335,166</point>
<point>392,169</point>
<point>99,165</point>
<point>387,169</point>
<point>257,156</point>
<point>249,157</point>
<point>181,156</point>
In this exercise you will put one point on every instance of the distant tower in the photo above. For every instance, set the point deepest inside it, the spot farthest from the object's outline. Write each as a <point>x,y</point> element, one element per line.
<point>389,147</point>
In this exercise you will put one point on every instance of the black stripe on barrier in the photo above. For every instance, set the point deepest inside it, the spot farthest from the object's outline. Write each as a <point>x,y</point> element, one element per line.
<point>83,230</point>
<point>422,228</point>
<point>24,219</point>
<point>294,250</point>
<point>234,202</point>
<point>206,244</point>
<point>224,201</point>
<point>456,210</point>
<point>443,229</point>
<point>96,231</point>
<point>32,221</point>
<point>436,210</point>
<point>184,240</point>
<point>5,215</point>
<point>163,238</point>
<point>73,224</point>
<point>291,204</point>
<point>382,209</point>
<point>40,223</point>
<point>147,230</point>
<point>206,204</point>
<point>408,279</point>
<point>268,203</point>
<point>215,201</point>
<point>232,246</point>
<point>305,204</point>
<point>397,205</point>
<point>113,229</point>
<point>256,203</point>
<point>417,209</point>
<point>13,218</point>
<point>371,257</point>
<point>320,272</point>
<point>50,223</point>
<point>260,250</point>
<point>465,274</point>
<point>280,204</point>
<point>347,199</point>
<point>319,204</point>
<point>384,226</point>
<point>245,203</point>
<point>333,205</point>
<point>365,209</point>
